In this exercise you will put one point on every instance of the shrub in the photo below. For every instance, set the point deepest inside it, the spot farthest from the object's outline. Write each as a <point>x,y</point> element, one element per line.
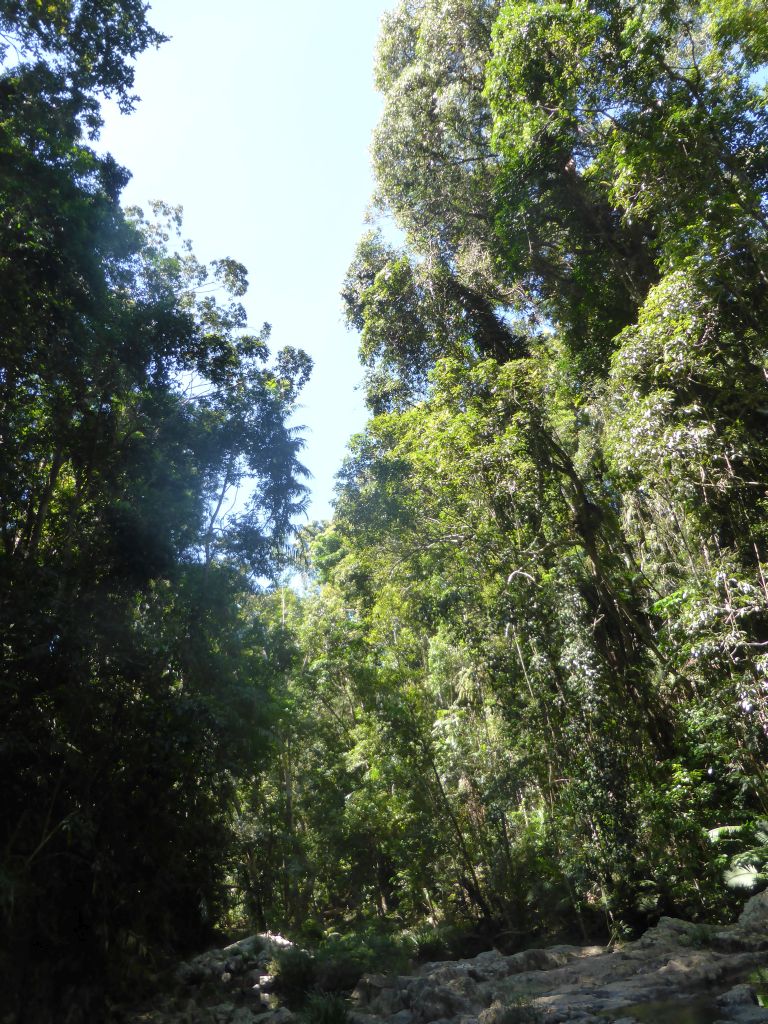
<point>295,974</point>
<point>343,959</point>
<point>326,1008</point>
<point>432,942</point>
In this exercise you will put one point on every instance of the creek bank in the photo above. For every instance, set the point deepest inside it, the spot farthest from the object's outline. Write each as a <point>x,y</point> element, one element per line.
<point>222,986</point>
<point>676,972</point>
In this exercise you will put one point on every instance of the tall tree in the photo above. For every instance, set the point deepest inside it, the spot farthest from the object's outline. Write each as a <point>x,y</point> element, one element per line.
<point>133,405</point>
<point>565,472</point>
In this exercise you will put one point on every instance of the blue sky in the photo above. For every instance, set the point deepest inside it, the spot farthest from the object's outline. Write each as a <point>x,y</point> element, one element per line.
<point>256,117</point>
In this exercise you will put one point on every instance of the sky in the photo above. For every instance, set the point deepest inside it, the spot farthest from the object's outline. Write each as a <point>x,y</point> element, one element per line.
<point>256,117</point>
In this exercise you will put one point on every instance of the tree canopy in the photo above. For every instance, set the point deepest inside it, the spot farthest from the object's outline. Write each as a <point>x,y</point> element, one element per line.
<point>550,537</point>
<point>135,405</point>
<point>520,691</point>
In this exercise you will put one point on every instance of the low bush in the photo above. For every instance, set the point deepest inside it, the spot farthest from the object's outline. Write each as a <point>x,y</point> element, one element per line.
<point>326,1008</point>
<point>295,974</point>
<point>338,963</point>
<point>442,942</point>
<point>342,959</point>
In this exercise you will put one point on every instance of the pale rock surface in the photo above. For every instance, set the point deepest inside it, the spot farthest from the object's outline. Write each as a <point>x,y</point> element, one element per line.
<point>670,966</point>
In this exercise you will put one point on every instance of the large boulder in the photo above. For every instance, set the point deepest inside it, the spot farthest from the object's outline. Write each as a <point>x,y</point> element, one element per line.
<point>754,916</point>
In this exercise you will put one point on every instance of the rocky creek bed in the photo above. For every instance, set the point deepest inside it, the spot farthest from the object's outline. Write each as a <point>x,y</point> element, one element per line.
<point>676,973</point>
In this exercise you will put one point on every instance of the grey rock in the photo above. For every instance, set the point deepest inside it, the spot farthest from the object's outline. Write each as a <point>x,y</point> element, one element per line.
<point>388,1002</point>
<point>674,924</point>
<point>249,946</point>
<point>435,1003</point>
<point>280,1016</point>
<point>369,988</point>
<point>588,985</point>
<point>189,974</point>
<point>495,1013</point>
<point>747,1014</point>
<point>534,960</point>
<point>754,916</point>
<point>223,1013</point>
<point>490,965</point>
<point>730,940</point>
<point>402,1017</point>
<point>242,1016</point>
<point>738,995</point>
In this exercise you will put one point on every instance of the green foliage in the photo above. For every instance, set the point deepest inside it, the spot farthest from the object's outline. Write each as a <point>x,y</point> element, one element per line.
<point>337,964</point>
<point>89,42</point>
<point>134,685</point>
<point>326,1008</point>
<point>527,674</point>
<point>295,974</point>
<point>748,867</point>
<point>429,943</point>
<point>542,606</point>
<point>343,959</point>
<point>698,936</point>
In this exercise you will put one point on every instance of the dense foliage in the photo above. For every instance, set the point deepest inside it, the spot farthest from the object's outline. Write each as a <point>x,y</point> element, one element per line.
<point>530,687</point>
<point>523,690</point>
<point>134,689</point>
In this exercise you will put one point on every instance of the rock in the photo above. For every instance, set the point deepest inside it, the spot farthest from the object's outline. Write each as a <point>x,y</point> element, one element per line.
<point>242,1016</point>
<point>369,988</point>
<point>739,994</point>
<point>250,946</point>
<point>494,1014</point>
<point>489,965</point>
<point>444,971</point>
<point>402,1017</point>
<point>388,1002</point>
<point>434,1002</point>
<point>674,924</point>
<point>730,940</point>
<point>754,916</point>
<point>668,931</point>
<point>280,1016</point>
<point>189,974</point>
<point>675,961</point>
<point>223,1013</point>
<point>747,1014</point>
<point>534,960</point>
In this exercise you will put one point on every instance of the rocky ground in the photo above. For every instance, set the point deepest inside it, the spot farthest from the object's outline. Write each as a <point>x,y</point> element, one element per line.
<point>677,973</point>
